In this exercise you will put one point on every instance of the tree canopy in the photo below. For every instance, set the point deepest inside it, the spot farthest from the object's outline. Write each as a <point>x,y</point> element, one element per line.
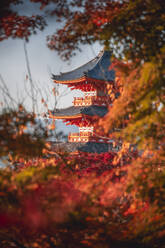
<point>114,23</point>
<point>68,201</point>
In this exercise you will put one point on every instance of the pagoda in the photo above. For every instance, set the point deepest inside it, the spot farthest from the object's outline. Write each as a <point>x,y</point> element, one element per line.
<point>93,79</point>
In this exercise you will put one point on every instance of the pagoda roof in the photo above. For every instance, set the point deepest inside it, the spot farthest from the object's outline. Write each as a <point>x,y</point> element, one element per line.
<point>97,68</point>
<point>91,147</point>
<point>78,111</point>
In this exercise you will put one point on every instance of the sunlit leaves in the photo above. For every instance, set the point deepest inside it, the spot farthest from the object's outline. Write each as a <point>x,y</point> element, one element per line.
<point>16,26</point>
<point>92,200</point>
<point>136,108</point>
<point>113,23</point>
<point>70,206</point>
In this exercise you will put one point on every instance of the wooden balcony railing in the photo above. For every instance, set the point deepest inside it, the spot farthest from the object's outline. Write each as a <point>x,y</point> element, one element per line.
<point>86,137</point>
<point>90,100</point>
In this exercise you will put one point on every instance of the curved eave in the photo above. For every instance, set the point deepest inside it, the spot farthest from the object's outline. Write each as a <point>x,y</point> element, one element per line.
<point>81,80</point>
<point>74,81</point>
<point>66,116</point>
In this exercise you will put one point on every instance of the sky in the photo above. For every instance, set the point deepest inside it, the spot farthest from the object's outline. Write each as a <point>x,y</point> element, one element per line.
<point>43,62</point>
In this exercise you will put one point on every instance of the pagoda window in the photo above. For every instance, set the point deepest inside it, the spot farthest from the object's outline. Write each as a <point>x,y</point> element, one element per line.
<point>90,93</point>
<point>86,129</point>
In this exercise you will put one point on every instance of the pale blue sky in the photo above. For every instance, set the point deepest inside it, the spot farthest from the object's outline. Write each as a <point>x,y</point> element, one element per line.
<point>42,61</point>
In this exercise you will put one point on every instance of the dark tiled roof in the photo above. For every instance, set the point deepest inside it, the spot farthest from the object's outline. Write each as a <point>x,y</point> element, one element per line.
<point>91,147</point>
<point>90,110</point>
<point>94,147</point>
<point>98,68</point>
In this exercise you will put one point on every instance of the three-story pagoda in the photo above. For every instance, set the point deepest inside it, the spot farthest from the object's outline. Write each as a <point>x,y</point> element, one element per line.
<point>93,79</point>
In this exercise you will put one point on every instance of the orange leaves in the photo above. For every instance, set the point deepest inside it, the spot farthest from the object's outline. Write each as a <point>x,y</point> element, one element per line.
<point>131,210</point>
<point>55,196</point>
<point>86,242</point>
<point>20,108</point>
<point>44,103</point>
<point>89,218</point>
<point>123,88</point>
<point>44,151</point>
<point>14,25</point>
<point>21,130</point>
<point>51,126</point>
<point>48,145</point>
<point>55,92</point>
<point>156,218</point>
<point>83,26</point>
<point>42,100</point>
<point>105,15</point>
<point>33,186</point>
<point>99,21</point>
<point>2,194</point>
<point>161,233</point>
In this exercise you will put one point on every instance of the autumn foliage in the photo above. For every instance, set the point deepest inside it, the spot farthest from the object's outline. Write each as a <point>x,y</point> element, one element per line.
<point>106,200</point>
<point>16,26</point>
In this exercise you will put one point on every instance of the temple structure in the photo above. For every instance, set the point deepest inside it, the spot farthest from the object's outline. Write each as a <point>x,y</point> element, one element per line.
<point>93,79</point>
